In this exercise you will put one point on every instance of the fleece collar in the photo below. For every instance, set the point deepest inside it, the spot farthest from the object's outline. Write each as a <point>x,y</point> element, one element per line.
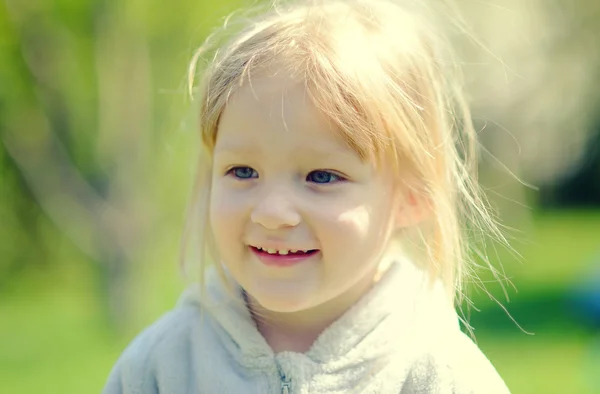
<point>403,307</point>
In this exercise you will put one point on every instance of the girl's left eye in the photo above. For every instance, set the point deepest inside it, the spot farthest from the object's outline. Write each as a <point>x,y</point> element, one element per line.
<point>323,177</point>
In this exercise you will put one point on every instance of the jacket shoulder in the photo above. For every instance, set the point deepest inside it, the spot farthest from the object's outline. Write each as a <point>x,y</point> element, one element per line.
<point>135,372</point>
<point>454,366</point>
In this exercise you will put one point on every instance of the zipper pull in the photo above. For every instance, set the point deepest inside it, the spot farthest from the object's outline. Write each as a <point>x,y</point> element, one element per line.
<point>286,385</point>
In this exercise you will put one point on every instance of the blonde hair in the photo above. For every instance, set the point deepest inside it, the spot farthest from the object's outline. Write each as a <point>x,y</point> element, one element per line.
<point>384,75</point>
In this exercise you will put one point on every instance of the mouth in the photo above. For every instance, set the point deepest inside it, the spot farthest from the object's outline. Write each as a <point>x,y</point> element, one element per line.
<point>282,257</point>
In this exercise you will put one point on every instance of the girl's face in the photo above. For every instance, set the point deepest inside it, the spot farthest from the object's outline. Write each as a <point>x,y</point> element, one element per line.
<point>284,181</point>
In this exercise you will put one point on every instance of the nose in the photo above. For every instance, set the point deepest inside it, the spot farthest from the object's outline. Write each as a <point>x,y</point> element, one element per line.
<point>275,211</point>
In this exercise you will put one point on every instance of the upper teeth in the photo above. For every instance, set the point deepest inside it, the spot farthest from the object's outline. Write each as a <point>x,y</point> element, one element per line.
<point>280,251</point>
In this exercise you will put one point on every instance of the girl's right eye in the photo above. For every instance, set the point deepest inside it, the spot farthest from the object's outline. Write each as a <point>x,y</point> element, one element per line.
<point>242,172</point>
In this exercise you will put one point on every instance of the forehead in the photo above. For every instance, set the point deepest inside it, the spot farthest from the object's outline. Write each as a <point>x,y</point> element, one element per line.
<point>276,110</point>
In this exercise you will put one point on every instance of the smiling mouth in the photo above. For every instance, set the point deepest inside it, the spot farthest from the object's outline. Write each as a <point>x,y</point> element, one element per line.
<point>283,252</point>
<point>282,257</point>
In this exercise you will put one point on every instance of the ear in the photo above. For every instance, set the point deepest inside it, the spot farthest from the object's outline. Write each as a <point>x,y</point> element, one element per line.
<point>412,208</point>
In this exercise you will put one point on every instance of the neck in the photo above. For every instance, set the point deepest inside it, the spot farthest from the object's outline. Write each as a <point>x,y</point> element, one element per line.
<point>297,331</point>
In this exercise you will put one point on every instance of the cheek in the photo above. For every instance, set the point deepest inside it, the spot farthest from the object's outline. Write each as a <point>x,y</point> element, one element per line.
<point>226,215</point>
<point>353,228</point>
<point>341,226</point>
<point>356,220</point>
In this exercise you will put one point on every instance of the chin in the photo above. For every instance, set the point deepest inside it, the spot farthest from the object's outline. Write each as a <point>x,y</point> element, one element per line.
<point>282,303</point>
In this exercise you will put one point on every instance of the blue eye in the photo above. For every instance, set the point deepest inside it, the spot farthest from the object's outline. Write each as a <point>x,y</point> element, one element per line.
<point>323,177</point>
<point>243,172</point>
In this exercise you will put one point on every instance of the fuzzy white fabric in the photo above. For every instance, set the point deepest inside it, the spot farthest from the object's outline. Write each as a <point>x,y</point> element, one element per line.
<point>401,337</point>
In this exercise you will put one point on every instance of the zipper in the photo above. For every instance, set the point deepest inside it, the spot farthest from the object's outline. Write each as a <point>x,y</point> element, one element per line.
<point>286,383</point>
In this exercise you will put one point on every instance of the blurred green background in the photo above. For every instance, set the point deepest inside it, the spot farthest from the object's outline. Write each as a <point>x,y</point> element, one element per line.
<point>97,153</point>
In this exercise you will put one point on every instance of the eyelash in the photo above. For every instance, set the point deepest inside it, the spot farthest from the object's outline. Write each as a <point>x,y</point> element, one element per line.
<point>338,178</point>
<point>231,172</point>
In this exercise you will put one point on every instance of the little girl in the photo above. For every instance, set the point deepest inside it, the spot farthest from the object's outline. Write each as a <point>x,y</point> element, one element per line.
<point>334,197</point>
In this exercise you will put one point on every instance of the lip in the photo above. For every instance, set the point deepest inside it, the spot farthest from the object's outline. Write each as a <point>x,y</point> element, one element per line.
<point>277,260</point>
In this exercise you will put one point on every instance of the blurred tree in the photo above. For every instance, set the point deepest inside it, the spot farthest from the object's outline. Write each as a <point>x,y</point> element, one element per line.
<point>47,133</point>
<point>534,85</point>
<point>579,188</point>
<point>84,120</point>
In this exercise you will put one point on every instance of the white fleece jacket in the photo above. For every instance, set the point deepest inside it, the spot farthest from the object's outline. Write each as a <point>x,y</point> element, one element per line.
<point>401,337</point>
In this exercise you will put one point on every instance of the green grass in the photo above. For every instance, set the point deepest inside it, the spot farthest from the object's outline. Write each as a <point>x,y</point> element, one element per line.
<point>543,363</point>
<point>559,249</point>
<point>54,337</point>
<point>54,343</point>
